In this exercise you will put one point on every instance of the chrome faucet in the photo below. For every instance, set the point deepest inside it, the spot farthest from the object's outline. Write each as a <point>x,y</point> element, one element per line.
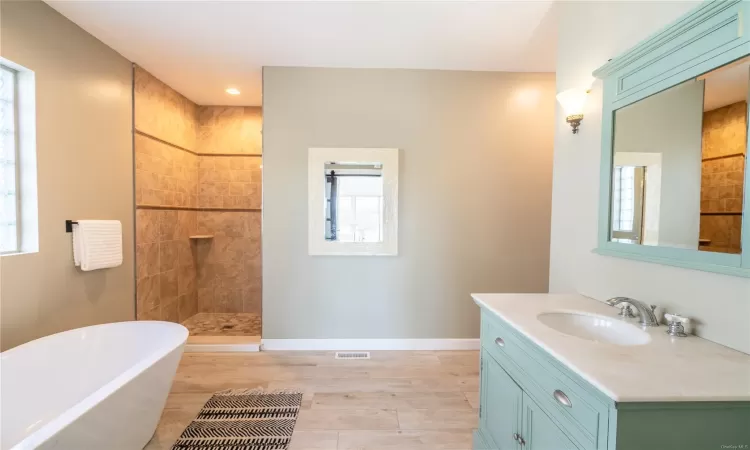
<point>648,318</point>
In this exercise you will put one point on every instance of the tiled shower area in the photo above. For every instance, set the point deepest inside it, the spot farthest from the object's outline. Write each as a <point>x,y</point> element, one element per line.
<point>723,175</point>
<point>198,212</point>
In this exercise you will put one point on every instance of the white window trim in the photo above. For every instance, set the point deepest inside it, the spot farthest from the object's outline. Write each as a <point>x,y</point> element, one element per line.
<point>317,158</point>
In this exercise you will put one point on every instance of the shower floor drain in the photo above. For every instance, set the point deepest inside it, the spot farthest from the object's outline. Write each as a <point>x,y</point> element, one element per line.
<point>352,355</point>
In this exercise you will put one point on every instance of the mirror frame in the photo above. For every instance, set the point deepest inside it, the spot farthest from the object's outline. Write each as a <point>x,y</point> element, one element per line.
<point>317,158</point>
<point>710,36</point>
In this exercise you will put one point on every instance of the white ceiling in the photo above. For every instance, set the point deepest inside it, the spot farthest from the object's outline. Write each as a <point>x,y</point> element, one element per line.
<point>202,47</point>
<point>726,85</point>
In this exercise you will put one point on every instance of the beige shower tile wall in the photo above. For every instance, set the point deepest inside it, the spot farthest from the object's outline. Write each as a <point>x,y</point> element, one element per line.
<point>164,175</point>
<point>165,180</point>
<point>722,185</point>
<point>178,277</point>
<point>722,180</point>
<point>229,129</point>
<point>229,265</point>
<point>724,232</point>
<point>162,112</point>
<point>725,137</point>
<point>165,265</point>
<point>229,269</point>
<point>232,182</point>
<point>724,130</point>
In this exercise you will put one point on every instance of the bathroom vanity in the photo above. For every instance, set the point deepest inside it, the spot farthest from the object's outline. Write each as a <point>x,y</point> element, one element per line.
<point>565,372</point>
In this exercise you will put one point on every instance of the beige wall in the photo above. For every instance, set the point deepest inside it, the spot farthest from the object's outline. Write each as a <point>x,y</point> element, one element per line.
<point>475,189</point>
<point>85,171</point>
<point>197,172</point>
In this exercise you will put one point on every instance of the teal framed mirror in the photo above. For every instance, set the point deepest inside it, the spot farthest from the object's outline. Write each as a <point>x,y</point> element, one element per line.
<point>675,187</point>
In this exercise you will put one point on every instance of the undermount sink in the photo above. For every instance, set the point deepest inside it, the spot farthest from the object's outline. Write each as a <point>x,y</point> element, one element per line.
<point>595,328</point>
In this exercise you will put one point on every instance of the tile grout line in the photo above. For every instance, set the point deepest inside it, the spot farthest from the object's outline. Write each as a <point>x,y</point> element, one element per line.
<point>178,147</point>
<point>195,208</point>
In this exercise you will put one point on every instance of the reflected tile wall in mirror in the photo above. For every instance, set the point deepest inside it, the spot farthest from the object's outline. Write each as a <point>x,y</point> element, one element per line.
<point>679,164</point>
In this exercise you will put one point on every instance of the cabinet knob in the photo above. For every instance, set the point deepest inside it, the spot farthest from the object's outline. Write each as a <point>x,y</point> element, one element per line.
<point>500,342</point>
<point>516,436</point>
<point>562,398</point>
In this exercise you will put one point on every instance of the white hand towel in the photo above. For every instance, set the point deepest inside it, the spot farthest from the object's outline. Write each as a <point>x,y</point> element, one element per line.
<point>97,244</point>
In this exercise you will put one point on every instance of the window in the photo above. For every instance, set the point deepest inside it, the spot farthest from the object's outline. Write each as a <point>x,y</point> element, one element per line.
<point>19,212</point>
<point>10,236</point>
<point>354,204</point>
<point>352,201</point>
<point>623,198</point>
<point>360,209</point>
<point>627,204</point>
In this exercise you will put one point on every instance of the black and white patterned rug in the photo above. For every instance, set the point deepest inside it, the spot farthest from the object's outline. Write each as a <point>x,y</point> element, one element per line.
<point>246,419</point>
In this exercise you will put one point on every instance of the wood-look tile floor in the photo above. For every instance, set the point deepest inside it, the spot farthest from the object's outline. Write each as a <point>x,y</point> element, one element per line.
<point>394,401</point>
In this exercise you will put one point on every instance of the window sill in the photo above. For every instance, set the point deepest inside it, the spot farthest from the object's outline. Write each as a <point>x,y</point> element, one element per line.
<point>18,253</point>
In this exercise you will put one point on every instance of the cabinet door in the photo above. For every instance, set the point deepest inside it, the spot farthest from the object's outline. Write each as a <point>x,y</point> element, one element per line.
<point>501,404</point>
<point>539,432</point>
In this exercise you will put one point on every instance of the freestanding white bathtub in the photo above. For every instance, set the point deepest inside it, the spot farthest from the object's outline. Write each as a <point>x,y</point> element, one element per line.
<point>101,387</point>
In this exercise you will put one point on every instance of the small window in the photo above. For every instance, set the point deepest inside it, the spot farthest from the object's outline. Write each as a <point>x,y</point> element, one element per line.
<point>627,204</point>
<point>360,206</point>
<point>354,204</point>
<point>624,198</point>
<point>19,221</point>
<point>10,205</point>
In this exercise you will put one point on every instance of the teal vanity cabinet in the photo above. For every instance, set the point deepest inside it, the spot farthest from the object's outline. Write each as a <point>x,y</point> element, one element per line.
<point>531,401</point>
<point>501,404</point>
<point>510,417</point>
<point>521,390</point>
<point>540,431</point>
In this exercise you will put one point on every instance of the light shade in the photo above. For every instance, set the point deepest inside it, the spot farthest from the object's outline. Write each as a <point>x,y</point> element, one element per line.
<point>233,91</point>
<point>572,100</point>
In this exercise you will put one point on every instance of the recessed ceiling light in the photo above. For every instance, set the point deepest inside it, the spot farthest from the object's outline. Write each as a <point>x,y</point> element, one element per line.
<point>233,91</point>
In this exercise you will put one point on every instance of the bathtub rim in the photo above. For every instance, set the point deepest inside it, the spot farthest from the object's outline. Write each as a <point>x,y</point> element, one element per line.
<point>51,428</point>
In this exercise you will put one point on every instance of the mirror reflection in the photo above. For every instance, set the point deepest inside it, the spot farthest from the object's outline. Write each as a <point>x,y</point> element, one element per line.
<point>354,202</point>
<point>679,164</point>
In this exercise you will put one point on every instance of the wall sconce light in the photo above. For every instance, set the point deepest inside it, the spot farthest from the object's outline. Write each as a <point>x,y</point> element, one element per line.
<point>572,101</point>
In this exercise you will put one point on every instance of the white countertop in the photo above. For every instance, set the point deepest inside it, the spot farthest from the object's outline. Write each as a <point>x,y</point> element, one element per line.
<point>666,369</point>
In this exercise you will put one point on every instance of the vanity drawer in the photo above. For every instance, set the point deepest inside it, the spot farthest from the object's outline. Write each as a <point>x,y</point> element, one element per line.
<point>557,392</point>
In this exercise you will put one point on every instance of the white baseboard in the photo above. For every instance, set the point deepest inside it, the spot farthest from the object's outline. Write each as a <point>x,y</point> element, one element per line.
<point>369,344</point>
<point>220,348</point>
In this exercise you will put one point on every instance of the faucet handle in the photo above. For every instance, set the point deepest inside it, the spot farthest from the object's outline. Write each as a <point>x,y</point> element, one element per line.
<point>676,324</point>
<point>658,313</point>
